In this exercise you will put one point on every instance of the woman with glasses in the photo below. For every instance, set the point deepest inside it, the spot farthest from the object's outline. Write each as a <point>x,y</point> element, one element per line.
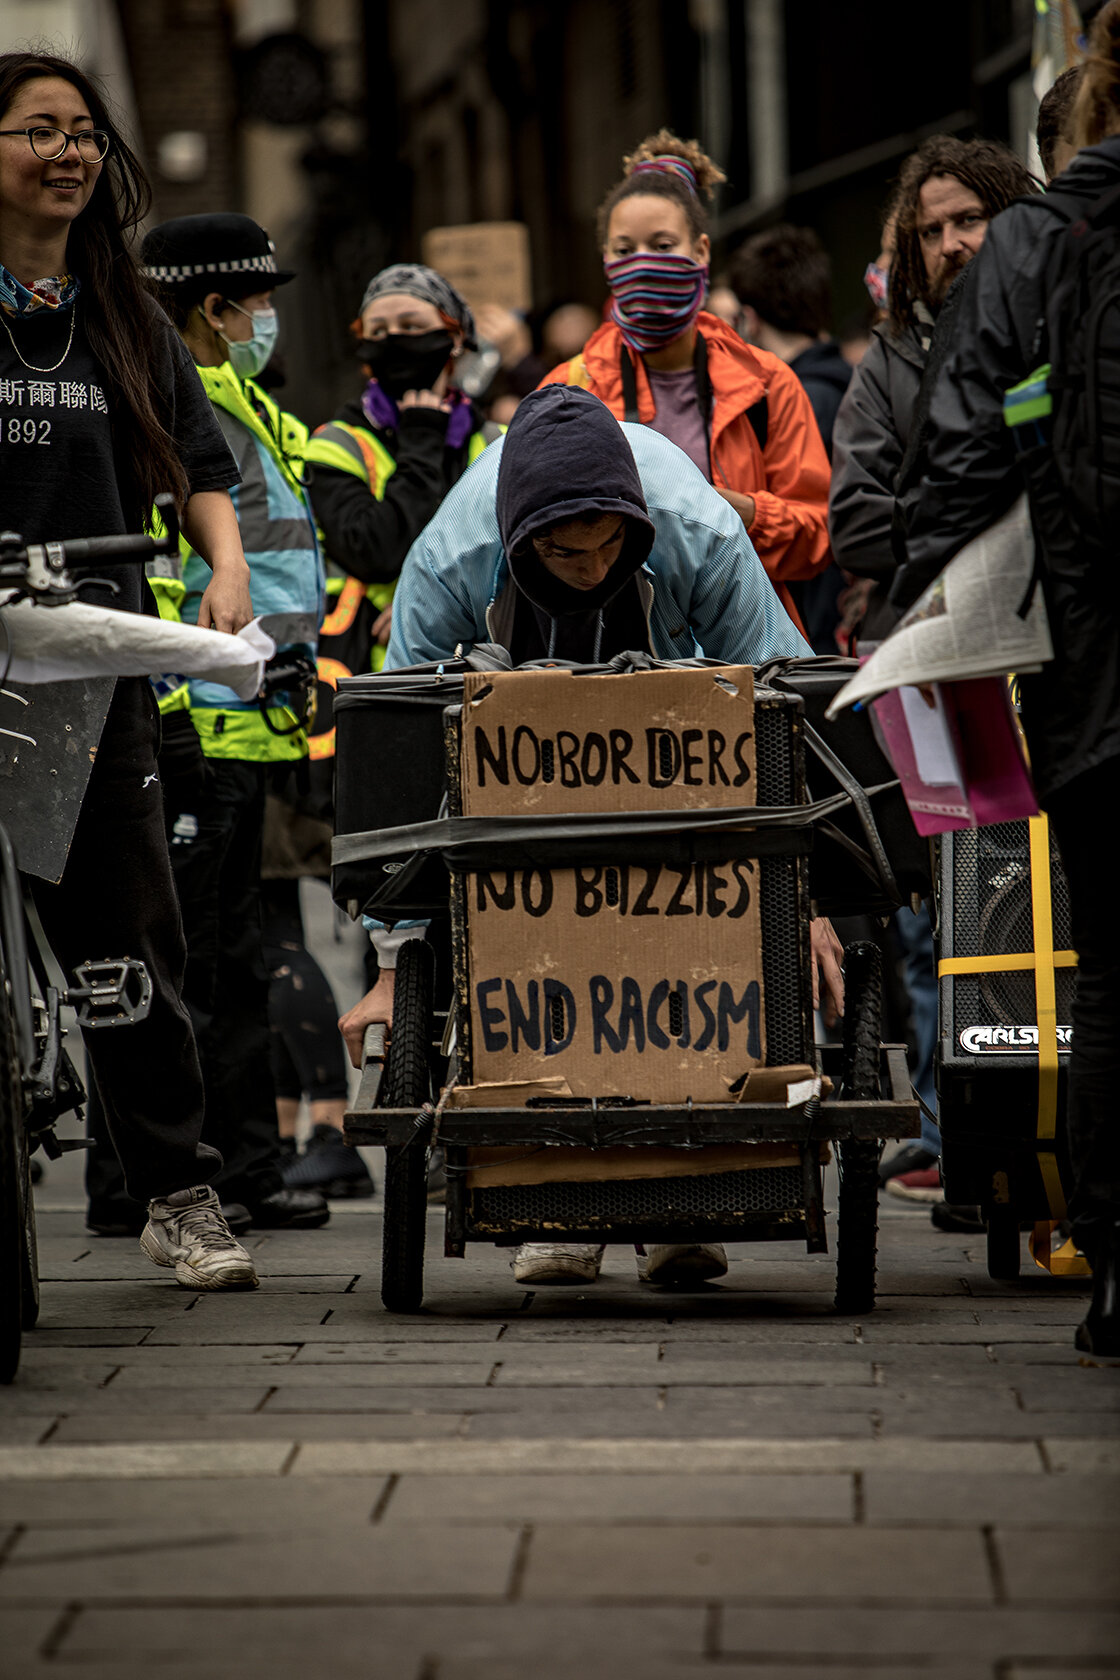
<point>100,410</point>
<point>738,413</point>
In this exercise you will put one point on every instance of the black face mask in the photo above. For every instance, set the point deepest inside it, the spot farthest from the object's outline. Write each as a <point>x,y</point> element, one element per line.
<point>403,362</point>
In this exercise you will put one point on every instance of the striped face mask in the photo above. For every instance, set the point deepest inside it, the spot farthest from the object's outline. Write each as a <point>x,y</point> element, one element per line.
<point>656,296</point>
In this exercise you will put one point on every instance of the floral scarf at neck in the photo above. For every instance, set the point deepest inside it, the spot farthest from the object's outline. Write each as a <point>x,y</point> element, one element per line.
<point>58,291</point>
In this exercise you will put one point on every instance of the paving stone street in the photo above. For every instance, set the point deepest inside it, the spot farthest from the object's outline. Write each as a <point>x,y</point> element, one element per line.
<point>572,1483</point>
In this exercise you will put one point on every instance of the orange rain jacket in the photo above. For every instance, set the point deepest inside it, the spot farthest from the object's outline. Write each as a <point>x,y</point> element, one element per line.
<point>789,480</point>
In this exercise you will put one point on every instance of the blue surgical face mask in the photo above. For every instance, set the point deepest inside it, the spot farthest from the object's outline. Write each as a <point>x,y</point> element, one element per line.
<point>249,355</point>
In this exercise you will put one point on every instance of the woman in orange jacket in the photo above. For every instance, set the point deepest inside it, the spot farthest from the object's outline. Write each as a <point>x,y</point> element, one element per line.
<point>739,413</point>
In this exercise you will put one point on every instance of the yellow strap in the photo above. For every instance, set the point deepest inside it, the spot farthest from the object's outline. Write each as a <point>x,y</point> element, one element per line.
<point>1045,1004</point>
<point>1065,1261</point>
<point>1003,964</point>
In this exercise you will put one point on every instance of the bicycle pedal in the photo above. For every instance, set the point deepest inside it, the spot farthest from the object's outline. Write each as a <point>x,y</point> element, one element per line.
<point>114,992</point>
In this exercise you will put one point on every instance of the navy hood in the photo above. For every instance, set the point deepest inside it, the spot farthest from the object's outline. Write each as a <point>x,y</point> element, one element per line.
<point>824,362</point>
<point>565,456</point>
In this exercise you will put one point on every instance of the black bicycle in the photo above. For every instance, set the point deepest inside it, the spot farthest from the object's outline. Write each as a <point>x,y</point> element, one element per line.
<point>38,1080</point>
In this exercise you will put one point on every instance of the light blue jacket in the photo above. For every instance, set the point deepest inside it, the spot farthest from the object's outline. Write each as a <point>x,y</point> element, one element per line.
<point>703,586</point>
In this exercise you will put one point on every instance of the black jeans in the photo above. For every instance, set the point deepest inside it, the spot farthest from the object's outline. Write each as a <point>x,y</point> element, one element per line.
<point>1082,815</point>
<point>117,898</point>
<point>216,861</point>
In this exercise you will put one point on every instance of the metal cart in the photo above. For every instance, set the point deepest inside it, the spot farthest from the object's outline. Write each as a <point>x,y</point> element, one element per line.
<point>402,1103</point>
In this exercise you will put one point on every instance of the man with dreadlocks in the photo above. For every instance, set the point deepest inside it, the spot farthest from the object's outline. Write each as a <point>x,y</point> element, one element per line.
<point>948,191</point>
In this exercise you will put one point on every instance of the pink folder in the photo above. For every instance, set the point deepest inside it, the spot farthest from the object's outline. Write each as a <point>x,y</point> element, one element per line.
<point>961,765</point>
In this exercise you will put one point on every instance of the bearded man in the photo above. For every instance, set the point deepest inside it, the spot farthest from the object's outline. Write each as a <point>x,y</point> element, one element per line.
<point>948,191</point>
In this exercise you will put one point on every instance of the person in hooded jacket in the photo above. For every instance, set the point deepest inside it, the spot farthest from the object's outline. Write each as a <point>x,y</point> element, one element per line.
<point>577,538</point>
<point>738,412</point>
<point>1071,708</point>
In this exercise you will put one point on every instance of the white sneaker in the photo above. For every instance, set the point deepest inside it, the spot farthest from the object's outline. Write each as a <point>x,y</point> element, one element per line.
<point>684,1262</point>
<point>557,1263</point>
<point>187,1231</point>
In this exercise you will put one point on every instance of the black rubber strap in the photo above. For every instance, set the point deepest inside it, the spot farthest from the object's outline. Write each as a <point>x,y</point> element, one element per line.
<point>450,835</point>
<point>629,387</point>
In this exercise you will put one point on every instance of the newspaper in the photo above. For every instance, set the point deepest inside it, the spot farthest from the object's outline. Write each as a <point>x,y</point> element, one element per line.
<point>53,644</point>
<point>967,623</point>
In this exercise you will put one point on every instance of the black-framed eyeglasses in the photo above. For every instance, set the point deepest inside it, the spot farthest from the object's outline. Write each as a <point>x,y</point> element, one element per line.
<point>50,143</point>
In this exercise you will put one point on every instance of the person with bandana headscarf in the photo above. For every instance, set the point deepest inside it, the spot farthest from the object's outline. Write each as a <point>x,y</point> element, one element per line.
<point>385,462</point>
<point>738,413</point>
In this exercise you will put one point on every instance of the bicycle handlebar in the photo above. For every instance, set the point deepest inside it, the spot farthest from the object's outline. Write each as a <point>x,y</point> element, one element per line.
<point>41,571</point>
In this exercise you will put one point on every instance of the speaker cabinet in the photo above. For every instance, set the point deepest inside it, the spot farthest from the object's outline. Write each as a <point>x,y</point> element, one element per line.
<point>987,1074</point>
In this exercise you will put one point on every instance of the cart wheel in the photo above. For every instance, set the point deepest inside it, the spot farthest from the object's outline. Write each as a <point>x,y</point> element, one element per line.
<point>1004,1245</point>
<point>14,1188</point>
<point>857,1159</point>
<point>407,1084</point>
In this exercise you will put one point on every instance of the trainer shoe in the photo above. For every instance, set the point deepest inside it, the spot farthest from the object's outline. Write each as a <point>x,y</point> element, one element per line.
<point>922,1185</point>
<point>557,1263</point>
<point>329,1165</point>
<point>684,1263</point>
<point>186,1230</point>
<point>910,1157</point>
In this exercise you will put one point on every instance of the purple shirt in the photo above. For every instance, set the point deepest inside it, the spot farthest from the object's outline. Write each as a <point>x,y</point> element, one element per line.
<point>678,415</point>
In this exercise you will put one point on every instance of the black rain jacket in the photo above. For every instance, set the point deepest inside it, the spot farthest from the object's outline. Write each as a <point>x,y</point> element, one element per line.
<point>1071,709</point>
<point>869,442</point>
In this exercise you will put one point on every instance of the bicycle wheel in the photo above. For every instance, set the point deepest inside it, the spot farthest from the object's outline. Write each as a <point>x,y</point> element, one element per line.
<point>29,1296</point>
<point>857,1159</point>
<point>407,1084</point>
<point>14,1190</point>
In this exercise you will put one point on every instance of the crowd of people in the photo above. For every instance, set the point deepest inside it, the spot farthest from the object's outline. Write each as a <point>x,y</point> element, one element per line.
<point>697,465</point>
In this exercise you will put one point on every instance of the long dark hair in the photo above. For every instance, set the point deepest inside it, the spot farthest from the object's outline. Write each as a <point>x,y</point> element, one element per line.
<point>120,320</point>
<point>985,167</point>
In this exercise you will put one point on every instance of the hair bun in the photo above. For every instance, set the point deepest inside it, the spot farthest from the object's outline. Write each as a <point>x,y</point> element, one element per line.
<point>683,158</point>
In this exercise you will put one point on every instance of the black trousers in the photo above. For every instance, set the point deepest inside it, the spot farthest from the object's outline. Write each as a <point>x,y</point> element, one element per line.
<point>216,861</point>
<point>307,1053</point>
<point>1082,815</point>
<point>117,898</point>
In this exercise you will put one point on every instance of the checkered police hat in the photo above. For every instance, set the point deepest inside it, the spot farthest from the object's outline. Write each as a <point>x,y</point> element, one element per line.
<point>223,253</point>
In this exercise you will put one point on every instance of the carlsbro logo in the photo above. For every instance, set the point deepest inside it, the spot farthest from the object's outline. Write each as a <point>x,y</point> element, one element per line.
<point>995,1041</point>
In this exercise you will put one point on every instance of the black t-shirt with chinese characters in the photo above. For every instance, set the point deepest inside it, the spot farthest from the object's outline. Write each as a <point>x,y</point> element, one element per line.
<point>61,472</point>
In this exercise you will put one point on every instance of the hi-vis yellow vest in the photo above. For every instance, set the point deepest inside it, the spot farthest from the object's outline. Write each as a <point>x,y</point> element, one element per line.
<point>352,449</point>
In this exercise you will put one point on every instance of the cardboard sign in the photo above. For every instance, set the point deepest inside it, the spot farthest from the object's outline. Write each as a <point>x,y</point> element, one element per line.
<point>545,743</point>
<point>487,261</point>
<point>629,980</point>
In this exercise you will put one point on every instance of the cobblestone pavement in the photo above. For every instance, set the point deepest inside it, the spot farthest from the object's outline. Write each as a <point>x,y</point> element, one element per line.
<point>573,1483</point>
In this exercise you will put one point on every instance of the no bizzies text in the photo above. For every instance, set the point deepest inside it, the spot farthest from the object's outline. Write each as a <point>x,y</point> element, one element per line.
<point>698,889</point>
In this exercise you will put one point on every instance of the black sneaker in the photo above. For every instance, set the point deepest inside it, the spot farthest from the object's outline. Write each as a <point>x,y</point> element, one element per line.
<point>947,1216</point>
<point>911,1157</point>
<point>291,1210</point>
<point>237,1217</point>
<point>122,1218</point>
<point>330,1166</point>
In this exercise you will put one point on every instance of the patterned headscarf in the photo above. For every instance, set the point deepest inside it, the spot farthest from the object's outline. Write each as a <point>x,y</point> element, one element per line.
<point>419,282</point>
